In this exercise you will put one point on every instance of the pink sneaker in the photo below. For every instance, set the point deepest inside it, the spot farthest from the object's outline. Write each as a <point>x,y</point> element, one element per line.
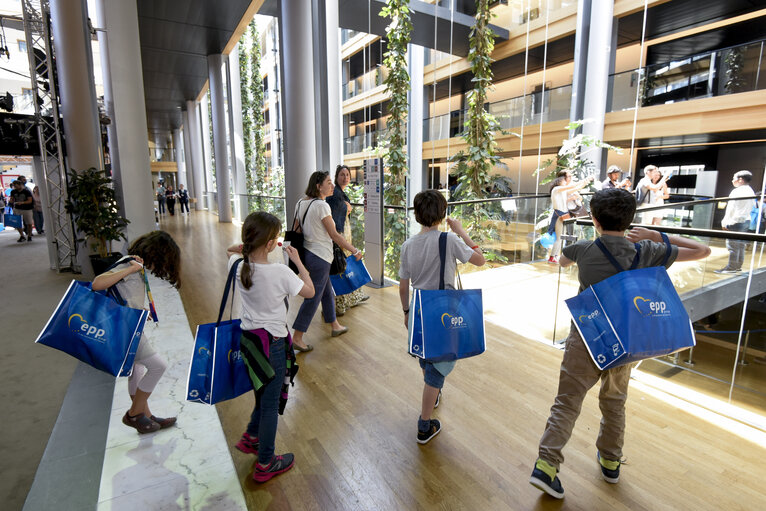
<point>553,260</point>
<point>278,465</point>
<point>247,444</point>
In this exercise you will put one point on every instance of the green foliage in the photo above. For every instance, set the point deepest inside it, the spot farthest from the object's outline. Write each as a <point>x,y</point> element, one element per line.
<point>473,167</point>
<point>253,124</point>
<point>735,62</point>
<point>93,205</point>
<point>355,192</point>
<point>397,82</point>
<point>573,156</point>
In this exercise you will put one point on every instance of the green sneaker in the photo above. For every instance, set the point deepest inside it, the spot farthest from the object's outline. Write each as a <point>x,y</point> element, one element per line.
<point>610,469</point>
<point>544,478</point>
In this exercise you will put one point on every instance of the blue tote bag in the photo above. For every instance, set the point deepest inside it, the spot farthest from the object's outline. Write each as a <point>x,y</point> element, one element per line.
<point>12,220</point>
<point>217,371</point>
<point>631,316</point>
<point>355,276</point>
<point>446,324</point>
<point>95,329</point>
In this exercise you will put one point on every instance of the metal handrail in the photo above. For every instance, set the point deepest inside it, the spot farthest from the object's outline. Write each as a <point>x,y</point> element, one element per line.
<point>689,231</point>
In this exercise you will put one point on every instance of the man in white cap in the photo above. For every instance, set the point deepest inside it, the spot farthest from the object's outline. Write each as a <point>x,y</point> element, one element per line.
<point>614,173</point>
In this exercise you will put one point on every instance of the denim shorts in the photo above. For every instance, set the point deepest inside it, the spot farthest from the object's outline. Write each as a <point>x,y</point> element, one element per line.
<point>431,375</point>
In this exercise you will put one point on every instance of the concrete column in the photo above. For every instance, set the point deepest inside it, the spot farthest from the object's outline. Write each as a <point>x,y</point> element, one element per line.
<point>327,93</point>
<point>236,132</point>
<point>79,108</point>
<point>197,155</point>
<point>220,147</point>
<point>600,54</point>
<point>298,98</point>
<point>124,85</point>
<point>416,115</point>
<point>189,182</point>
<point>178,150</point>
<point>580,61</point>
<point>204,122</point>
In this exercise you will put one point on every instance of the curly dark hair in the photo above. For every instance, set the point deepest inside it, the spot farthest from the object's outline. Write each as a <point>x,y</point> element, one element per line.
<point>161,255</point>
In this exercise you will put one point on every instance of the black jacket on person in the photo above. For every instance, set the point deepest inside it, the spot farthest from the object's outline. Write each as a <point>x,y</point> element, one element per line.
<point>338,209</point>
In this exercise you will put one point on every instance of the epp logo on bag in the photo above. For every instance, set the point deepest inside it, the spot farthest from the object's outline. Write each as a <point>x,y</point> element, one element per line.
<point>453,321</point>
<point>82,328</point>
<point>204,349</point>
<point>587,316</point>
<point>649,307</point>
<point>349,274</point>
<point>234,356</point>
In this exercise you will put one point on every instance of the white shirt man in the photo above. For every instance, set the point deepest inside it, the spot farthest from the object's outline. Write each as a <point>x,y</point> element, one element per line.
<point>737,219</point>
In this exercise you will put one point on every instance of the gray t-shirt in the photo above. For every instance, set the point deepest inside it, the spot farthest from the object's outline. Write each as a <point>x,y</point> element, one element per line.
<point>131,288</point>
<point>593,266</point>
<point>420,259</point>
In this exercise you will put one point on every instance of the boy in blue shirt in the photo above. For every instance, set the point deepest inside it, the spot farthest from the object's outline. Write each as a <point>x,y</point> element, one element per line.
<point>612,210</point>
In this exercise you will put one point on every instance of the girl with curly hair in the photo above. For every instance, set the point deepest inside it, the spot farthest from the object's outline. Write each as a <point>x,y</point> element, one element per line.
<point>158,253</point>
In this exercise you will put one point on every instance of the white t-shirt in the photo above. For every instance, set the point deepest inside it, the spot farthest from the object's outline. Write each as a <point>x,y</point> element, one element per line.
<point>131,288</point>
<point>263,305</point>
<point>738,211</point>
<point>316,239</point>
<point>559,197</point>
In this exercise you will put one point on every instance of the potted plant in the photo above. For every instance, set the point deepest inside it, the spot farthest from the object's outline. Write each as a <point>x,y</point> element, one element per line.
<point>93,205</point>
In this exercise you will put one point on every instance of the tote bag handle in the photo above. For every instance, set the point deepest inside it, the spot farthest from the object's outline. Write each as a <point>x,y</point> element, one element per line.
<point>229,285</point>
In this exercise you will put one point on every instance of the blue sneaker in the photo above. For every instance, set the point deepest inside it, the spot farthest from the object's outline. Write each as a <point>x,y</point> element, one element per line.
<point>610,470</point>
<point>544,478</point>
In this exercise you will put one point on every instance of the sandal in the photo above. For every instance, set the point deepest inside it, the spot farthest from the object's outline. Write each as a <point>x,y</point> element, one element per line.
<point>141,422</point>
<point>308,347</point>
<point>164,423</point>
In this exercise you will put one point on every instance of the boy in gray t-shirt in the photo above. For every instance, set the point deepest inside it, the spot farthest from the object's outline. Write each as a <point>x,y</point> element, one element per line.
<point>420,263</point>
<point>612,210</point>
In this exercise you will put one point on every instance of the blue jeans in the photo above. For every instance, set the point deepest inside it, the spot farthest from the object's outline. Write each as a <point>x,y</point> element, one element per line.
<point>263,420</point>
<point>736,248</point>
<point>319,270</point>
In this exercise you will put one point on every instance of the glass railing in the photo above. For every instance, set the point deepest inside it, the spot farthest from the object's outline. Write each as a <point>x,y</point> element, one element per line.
<point>346,34</point>
<point>359,143</point>
<point>722,368</point>
<point>731,70</point>
<point>544,106</point>
<point>365,82</point>
<point>269,204</point>
<point>210,201</point>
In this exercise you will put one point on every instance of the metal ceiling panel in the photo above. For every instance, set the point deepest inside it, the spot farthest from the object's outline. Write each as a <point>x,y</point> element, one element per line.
<point>176,38</point>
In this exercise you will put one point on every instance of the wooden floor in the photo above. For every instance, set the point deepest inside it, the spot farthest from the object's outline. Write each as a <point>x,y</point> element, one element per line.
<point>351,421</point>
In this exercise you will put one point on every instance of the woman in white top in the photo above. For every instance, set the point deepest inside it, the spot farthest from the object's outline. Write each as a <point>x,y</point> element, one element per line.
<point>653,191</point>
<point>561,189</point>
<point>319,233</point>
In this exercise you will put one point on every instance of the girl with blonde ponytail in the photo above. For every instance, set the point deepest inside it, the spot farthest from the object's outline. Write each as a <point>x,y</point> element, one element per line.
<point>266,345</point>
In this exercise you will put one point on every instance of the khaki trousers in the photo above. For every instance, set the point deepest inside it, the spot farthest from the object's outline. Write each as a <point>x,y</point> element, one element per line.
<point>578,375</point>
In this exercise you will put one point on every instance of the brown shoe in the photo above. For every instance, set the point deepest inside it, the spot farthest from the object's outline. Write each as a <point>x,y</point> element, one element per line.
<point>164,423</point>
<point>141,422</point>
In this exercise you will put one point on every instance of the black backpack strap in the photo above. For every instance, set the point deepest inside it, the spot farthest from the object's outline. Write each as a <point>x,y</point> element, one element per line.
<point>668,248</point>
<point>306,213</point>
<point>608,254</point>
<point>442,257</point>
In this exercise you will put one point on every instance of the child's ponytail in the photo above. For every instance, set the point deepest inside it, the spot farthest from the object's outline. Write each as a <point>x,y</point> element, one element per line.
<point>259,228</point>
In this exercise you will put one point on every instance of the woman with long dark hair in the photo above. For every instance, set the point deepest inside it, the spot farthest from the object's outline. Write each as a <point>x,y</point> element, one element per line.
<point>314,216</point>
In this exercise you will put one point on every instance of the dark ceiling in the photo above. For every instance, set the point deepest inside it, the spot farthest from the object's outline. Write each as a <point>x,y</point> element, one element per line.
<point>176,38</point>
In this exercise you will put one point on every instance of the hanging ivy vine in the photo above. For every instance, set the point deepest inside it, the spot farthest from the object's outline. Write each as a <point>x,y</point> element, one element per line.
<point>253,125</point>
<point>247,105</point>
<point>473,167</point>
<point>256,91</point>
<point>398,33</point>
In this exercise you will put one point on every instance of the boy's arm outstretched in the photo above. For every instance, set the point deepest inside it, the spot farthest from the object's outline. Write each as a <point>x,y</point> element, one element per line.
<point>477,258</point>
<point>688,249</point>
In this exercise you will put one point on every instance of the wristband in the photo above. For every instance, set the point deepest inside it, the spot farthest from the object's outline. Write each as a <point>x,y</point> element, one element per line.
<point>357,251</point>
<point>474,247</point>
<point>406,311</point>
